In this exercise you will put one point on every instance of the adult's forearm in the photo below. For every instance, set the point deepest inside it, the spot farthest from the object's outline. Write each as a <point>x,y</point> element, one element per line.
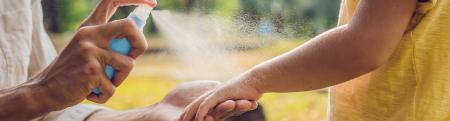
<point>157,112</point>
<point>22,103</point>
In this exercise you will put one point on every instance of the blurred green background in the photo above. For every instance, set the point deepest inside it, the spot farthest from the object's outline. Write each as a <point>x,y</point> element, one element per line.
<point>293,21</point>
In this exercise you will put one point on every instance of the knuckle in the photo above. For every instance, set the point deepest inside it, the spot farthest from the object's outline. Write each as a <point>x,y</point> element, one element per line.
<point>78,38</point>
<point>87,48</point>
<point>129,25</point>
<point>102,101</point>
<point>91,99</point>
<point>83,30</point>
<point>92,68</point>
<point>143,46</point>
<point>95,99</point>
<point>129,64</point>
<point>107,95</point>
<point>112,91</point>
<point>140,49</point>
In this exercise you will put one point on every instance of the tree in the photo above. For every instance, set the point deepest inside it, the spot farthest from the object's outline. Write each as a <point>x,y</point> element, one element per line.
<point>50,15</point>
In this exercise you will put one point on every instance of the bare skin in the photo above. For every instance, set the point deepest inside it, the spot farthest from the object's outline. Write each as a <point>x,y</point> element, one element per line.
<point>338,55</point>
<point>79,68</point>
<point>174,103</point>
<point>72,76</point>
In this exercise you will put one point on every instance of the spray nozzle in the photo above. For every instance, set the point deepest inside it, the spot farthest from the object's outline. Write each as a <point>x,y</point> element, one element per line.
<point>141,13</point>
<point>144,10</point>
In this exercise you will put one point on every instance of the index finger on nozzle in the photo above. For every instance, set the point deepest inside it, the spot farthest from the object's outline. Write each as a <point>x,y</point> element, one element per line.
<point>152,3</point>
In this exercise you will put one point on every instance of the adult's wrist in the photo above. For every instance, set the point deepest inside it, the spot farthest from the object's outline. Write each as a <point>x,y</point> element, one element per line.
<point>113,115</point>
<point>36,98</point>
<point>21,103</point>
<point>18,103</point>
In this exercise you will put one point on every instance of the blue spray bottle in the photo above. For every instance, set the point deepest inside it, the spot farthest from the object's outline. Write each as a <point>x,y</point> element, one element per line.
<point>122,45</point>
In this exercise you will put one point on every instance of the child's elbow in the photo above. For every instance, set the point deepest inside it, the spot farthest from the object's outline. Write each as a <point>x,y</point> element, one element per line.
<point>373,52</point>
<point>371,63</point>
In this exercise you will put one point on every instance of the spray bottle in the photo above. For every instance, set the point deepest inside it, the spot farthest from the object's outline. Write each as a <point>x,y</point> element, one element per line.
<point>122,45</point>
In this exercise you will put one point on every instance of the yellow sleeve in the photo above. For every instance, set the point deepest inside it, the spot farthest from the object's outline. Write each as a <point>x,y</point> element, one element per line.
<point>421,10</point>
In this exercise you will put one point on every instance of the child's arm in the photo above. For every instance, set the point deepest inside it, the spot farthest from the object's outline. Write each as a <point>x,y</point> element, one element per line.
<point>331,58</point>
<point>340,54</point>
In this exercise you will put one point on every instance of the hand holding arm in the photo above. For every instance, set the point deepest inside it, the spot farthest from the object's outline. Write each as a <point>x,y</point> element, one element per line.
<point>333,57</point>
<point>174,103</point>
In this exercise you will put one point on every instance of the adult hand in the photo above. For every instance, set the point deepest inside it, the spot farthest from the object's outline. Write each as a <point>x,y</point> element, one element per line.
<point>186,93</point>
<point>80,66</point>
<point>205,107</point>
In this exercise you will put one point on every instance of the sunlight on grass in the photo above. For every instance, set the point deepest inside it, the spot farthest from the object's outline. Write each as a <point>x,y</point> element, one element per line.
<point>306,106</point>
<point>141,91</point>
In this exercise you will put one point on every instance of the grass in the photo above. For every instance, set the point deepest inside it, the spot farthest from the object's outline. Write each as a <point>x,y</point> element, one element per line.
<point>155,75</point>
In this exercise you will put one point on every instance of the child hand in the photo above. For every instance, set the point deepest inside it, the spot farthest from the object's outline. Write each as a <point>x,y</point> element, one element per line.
<point>199,109</point>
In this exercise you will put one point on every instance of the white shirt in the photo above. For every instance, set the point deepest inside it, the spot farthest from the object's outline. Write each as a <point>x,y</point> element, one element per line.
<point>25,49</point>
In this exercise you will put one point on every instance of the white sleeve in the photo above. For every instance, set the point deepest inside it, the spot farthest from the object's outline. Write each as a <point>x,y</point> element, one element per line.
<point>42,50</point>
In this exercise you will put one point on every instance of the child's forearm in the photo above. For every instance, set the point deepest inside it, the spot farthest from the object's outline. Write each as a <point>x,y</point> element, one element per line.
<point>325,60</point>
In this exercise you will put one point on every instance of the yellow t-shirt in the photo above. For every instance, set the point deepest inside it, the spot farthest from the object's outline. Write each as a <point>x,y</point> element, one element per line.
<point>415,83</point>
